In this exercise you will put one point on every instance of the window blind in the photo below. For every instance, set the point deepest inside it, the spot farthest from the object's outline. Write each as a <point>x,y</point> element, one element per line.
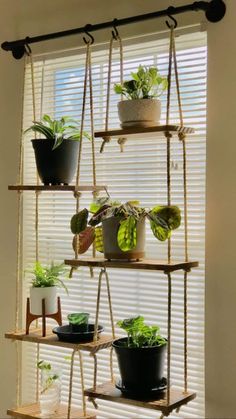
<point>139,173</point>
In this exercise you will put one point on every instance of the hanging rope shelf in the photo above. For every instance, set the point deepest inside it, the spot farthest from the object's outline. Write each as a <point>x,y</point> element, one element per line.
<point>172,399</point>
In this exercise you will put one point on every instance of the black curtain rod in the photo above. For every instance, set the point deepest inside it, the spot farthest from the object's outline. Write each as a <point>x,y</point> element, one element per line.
<point>214,11</point>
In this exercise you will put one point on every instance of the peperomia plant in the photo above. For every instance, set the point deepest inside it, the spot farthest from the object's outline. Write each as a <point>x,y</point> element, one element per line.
<point>51,376</point>
<point>48,276</point>
<point>146,83</point>
<point>58,130</point>
<point>139,334</point>
<point>163,219</point>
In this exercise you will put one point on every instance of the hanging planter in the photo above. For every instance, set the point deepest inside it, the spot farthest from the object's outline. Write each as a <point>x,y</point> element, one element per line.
<point>141,358</point>
<point>56,155</point>
<point>142,109</point>
<point>44,286</point>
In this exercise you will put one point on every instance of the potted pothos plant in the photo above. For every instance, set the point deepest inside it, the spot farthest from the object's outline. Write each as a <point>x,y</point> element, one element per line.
<point>50,389</point>
<point>56,153</point>
<point>44,285</point>
<point>142,106</point>
<point>141,358</point>
<point>119,229</point>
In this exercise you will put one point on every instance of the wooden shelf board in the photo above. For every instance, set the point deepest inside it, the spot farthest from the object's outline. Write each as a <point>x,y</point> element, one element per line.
<point>108,391</point>
<point>33,411</point>
<point>103,342</point>
<point>51,188</point>
<point>137,132</point>
<point>146,264</point>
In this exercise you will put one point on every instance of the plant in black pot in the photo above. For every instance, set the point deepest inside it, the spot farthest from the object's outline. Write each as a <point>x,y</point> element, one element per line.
<point>78,322</point>
<point>56,154</point>
<point>141,358</point>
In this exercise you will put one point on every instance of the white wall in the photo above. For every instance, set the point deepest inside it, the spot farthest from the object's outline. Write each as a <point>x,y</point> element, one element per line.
<point>221,222</point>
<point>26,17</point>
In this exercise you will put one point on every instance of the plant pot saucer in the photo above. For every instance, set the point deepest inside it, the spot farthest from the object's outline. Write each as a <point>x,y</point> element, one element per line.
<point>140,124</point>
<point>65,334</point>
<point>140,393</point>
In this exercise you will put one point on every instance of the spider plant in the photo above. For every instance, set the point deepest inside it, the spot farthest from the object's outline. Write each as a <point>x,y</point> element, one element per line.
<point>58,130</point>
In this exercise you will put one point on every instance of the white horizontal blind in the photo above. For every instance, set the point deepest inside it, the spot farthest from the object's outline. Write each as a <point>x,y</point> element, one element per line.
<point>139,173</point>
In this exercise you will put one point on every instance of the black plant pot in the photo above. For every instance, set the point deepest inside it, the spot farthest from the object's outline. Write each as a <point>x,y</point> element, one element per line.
<point>141,369</point>
<point>57,166</point>
<point>79,328</point>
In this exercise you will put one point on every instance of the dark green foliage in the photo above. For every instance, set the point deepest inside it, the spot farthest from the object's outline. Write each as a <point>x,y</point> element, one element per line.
<point>79,221</point>
<point>139,334</point>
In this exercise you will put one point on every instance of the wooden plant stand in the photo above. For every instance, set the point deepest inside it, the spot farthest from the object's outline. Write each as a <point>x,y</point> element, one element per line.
<point>31,317</point>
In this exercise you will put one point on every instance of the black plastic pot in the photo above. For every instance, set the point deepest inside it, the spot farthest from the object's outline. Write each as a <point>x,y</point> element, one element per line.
<point>141,369</point>
<point>57,166</point>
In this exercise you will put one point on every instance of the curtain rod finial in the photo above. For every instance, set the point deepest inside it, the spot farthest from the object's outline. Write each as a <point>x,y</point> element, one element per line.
<point>215,11</point>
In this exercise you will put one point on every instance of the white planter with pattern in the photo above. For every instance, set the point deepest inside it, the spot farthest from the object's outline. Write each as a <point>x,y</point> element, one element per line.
<point>139,112</point>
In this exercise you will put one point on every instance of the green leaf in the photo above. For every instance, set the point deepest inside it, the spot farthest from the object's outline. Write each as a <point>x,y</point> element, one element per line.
<point>79,221</point>
<point>127,234</point>
<point>169,214</point>
<point>159,232</point>
<point>78,318</point>
<point>118,89</point>
<point>99,239</point>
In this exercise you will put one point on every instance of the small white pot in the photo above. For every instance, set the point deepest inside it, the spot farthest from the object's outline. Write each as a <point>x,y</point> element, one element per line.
<point>139,112</point>
<point>36,297</point>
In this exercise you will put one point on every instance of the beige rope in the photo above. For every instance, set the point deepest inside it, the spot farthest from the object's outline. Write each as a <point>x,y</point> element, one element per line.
<point>169,337</point>
<point>168,135</point>
<point>29,52</point>
<point>110,303</point>
<point>181,136</point>
<point>103,272</point>
<point>82,382</point>
<point>118,39</point>
<point>185,332</point>
<point>95,370</point>
<point>92,118</point>
<point>19,251</point>
<point>111,366</point>
<point>87,60</point>
<point>71,383</point>
<point>177,81</point>
<point>98,306</point>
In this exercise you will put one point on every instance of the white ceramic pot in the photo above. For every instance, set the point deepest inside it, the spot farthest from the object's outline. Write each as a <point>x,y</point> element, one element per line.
<point>139,112</point>
<point>36,297</point>
<point>111,249</point>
